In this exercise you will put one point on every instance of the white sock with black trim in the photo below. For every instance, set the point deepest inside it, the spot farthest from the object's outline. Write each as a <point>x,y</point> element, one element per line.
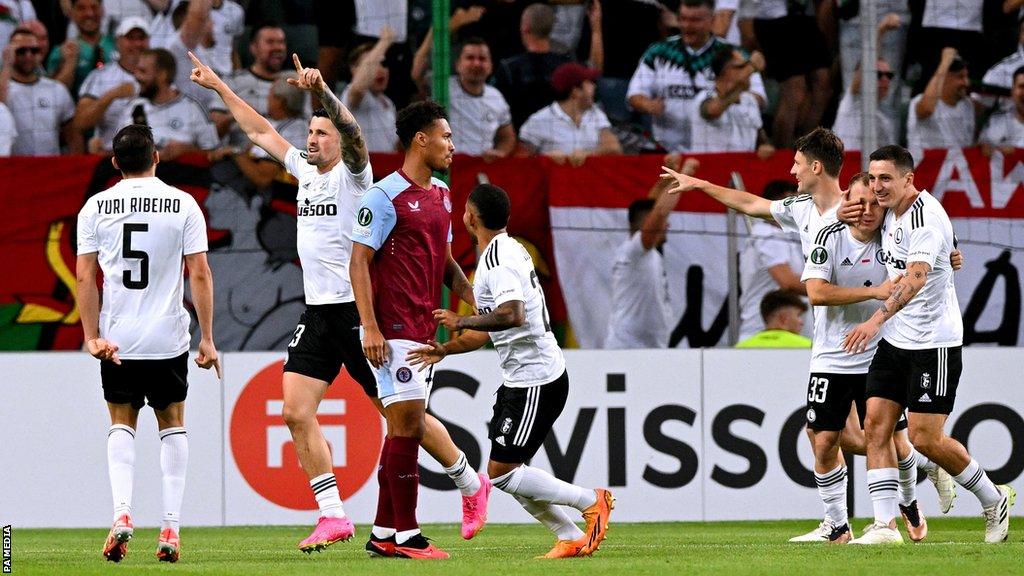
<point>173,465</point>
<point>551,516</point>
<point>883,484</point>
<point>908,479</point>
<point>976,480</point>
<point>538,485</point>
<point>465,478</point>
<point>325,490</point>
<point>832,489</point>
<point>121,467</point>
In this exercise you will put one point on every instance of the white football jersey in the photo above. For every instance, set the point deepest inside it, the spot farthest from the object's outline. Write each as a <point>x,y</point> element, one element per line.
<point>641,312</point>
<point>326,211</point>
<point>96,84</point>
<point>923,234</point>
<point>141,229</point>
<point>799,214</point>
<point>182,119</point>
<point>529,354</point>
<point>842,260</point>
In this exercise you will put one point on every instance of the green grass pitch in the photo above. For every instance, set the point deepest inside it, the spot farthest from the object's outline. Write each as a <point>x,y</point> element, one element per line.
<point>726,548</point>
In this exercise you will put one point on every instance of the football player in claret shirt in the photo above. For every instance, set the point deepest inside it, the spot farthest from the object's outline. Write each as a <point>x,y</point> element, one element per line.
<point>401,256</point>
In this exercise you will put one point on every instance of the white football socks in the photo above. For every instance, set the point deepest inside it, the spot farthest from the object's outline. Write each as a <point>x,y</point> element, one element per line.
<point>173,464</point>
<point>121,467</point>
<point>976,480</point>
<point>538,485</point>
<point>325,490</point>
<point>883,484</point>
<point>465,478</point>
<point>908,478</point>
<point>832,489</point>
<point>551,516</point>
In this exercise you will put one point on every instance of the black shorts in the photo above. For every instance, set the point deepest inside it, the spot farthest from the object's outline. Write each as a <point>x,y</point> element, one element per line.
<point>160,382</point>
<point>828,401</point>
<point>792,46</point>
<point>523,417</point>
<point>923,381</point>
<point>327,338</point>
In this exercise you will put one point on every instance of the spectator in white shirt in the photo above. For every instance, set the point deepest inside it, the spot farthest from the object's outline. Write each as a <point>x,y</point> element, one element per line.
<point>948,23</point>
<point>193,30</point>
<point>848,117</point>
<point>8,130</point>
<point>727,117</point>
<point>942,116</point>
<point>641,311</point>
<point>770,259</point>
<point>480,117</point>
<point>1005,129</point>
<point>42,108</point>
<point>365,96</point>
<point>228,19</point>
<point>180,124</point>
<point>106,91</point>
<point>571,128</point>
<point>998,79</point>
<point>269,52</point>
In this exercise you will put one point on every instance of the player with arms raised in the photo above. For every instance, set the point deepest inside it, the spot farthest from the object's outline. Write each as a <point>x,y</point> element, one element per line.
<point>333,173</point>
<point>138,232</point>
<point>512,314</point>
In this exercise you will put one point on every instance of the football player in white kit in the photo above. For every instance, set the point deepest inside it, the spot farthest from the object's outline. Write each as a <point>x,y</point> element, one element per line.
<point>333,173</point>
<point>917,364</point>
<point>844,275</point>
<point>512,314</point>
<point>138,232</point>
<point>817,161</point>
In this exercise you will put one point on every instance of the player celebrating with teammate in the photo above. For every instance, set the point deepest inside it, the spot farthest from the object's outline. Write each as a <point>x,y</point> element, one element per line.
<point>334,174</point>
<point>512,314</point>
<point>401,255</point>
<point>917,365</point>
<point>138,232</point>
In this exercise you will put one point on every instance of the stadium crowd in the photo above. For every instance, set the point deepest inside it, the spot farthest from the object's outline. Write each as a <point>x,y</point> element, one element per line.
<point>690,76</point>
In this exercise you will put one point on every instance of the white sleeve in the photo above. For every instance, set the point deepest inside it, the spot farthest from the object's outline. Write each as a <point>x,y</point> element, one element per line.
<point>194,234</point>
<point>65,103</point>
<point>925,241</point>
<point>90,87</point>
<point>634,248</point>
<point>757,87</point>
<point>772,250</point>
<point>361,181</point>
<point>87,241</point>
<point>505,285</point>
<point>785,211</point>
<point>204,133</point>
<point>294,162</point>
<point>643,81</point>
<point>994,132</point>
<point>600,119</point>
<point>821,261</point>
<point>504,112</point>
<point>531,133</point>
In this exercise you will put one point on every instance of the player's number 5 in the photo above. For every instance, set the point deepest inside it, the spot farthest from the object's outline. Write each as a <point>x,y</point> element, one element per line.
<point>142,256</point>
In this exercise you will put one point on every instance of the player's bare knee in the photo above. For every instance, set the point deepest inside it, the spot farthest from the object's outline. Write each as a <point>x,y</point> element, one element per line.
<point>499,469</point>
<point>297,416</point>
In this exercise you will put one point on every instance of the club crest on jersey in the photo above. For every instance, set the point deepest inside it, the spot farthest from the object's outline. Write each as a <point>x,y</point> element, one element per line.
<point>819,255</point>
<point>506,425</point>
<point>926,380</point>
<point>43,103</point>
<point>403,374</point>
<point>448,204</point>
<point>414,206</point>
<point>811,415</point>
<point>899,235</point>
<point>177,123</point>
<point>365,216</point>
<point>880,256</point>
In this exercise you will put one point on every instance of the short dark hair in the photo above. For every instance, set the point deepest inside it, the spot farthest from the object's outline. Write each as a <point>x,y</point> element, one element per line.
<point>417,117</point>
<point>472,41</point>
<point>778,189</point>
<point>637,210</point>
<point>957,65</point>
<point>709,4</point>
<point>260,28</point>
<point>356,53</point>
<point>1016,73</point>
<point>862,178</point>
<point>898,155</point>
<point>178,14</point>
<point>164,61</point>
<point>823,145</point>
<point>133,148</point>
<point>493,205</point>
<point>779,299</point>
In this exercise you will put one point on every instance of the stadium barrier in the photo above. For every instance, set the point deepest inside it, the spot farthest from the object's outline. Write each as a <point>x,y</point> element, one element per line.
<point>676,434</point>
<point>571,219</point>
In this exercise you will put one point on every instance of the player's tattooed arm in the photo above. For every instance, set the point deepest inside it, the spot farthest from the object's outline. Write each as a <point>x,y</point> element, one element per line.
<point>903,292</point>
<point>509,314</point>
<point>353,146</point>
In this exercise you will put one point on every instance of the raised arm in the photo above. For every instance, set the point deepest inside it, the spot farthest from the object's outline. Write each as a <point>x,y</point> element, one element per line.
<point>353,147</point>
<point>738,200</point>
<point>363,76</point>
<point>652,229</point>
<point>194,26</point>
<point>925,107</point>
<point>256,127</point>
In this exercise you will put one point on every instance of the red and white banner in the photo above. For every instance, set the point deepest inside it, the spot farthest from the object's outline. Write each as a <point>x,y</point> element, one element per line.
<point>589,221</point>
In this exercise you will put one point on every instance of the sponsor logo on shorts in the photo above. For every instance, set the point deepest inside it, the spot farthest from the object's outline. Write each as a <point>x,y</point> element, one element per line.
<point>926,380</point>
<point>403,374</point>
<point>500,440</point>
<point>506,426</point>
<point>925,398</point>
<point>811,415</point>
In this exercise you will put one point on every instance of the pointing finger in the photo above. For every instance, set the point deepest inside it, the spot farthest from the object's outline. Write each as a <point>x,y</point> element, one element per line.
<point>193,58</point>
<point>298,65</point>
